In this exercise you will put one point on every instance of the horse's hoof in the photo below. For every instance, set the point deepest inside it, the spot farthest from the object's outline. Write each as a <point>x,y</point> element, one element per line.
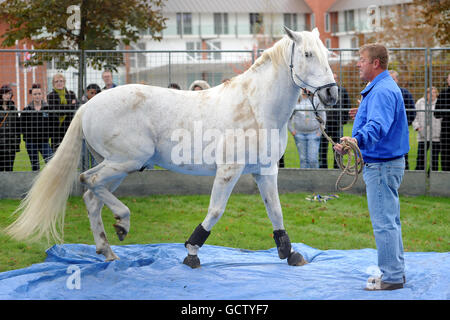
<point>296,259</point>
<point>192,261</point>
<point>120,231</point>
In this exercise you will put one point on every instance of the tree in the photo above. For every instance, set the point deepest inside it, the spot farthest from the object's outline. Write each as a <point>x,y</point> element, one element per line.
<point>81,25</point>
<point>404,27</point>
<point>436,14</point>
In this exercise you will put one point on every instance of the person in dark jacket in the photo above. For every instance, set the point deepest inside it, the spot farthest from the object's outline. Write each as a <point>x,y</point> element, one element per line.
<point>334,124</point>
<point>37,123</point>
<point>443,103</point>
<point>64,100</point>
<point>9,129</point>
<point>410,106</point>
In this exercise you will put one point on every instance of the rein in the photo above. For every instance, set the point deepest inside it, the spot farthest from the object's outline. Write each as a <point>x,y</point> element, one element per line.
<point>351,148</point>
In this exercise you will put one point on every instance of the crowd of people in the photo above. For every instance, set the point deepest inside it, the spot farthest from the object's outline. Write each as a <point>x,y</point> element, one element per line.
<point>45,120</point>
<point>433,128</point>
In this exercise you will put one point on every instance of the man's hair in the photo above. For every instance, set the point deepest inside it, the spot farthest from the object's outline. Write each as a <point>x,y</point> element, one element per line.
<point>377,51</point>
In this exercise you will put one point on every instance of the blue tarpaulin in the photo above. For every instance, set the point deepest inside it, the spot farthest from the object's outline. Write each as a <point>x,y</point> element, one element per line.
<point>155,271</point>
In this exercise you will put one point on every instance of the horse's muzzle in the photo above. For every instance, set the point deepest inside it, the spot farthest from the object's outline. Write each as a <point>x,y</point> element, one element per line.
<point>329,95</point>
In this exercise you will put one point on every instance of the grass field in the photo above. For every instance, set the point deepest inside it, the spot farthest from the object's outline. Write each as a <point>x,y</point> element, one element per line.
<point>342,223</point>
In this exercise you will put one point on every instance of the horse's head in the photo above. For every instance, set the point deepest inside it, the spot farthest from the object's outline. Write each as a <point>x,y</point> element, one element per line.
<point>308,61</point>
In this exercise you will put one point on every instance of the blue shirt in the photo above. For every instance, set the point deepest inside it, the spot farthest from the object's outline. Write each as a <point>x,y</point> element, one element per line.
<point>381,126</point>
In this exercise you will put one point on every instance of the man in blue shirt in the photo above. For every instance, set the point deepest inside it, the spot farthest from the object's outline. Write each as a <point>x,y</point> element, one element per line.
<point>381,132</point>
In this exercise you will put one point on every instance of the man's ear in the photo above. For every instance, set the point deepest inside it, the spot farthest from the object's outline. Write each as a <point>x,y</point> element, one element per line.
<point>376,63</point>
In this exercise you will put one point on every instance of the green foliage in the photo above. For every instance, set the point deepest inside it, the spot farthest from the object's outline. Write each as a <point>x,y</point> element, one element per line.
<point>100,25</point>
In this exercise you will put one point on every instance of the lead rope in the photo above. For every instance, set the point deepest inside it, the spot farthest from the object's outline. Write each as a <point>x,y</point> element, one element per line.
<point>352,151</point>
<point>348,169</point>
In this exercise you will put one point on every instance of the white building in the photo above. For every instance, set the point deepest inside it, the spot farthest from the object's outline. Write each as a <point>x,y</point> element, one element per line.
<point>213,25</point>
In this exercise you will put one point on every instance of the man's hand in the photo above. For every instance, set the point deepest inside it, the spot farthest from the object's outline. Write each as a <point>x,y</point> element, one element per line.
<point>340,148</point>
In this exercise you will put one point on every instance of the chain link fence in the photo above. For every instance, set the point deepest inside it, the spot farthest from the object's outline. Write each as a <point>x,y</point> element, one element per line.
<point>41,90</point>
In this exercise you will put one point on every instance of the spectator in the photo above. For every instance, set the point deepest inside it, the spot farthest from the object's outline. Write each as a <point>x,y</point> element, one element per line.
<point>37,123</point>
<point>381,132</point>
<point>427,134</point>
<point>108,80</point>
<point>174,86</point>
<point>91,90</point>
<point>443,103</point>
<point>334,125</point>
<point>63,100</point>
<point>306,131</point>
<point>409,106</point>
<point>199,85</point>
<point>9,129</point>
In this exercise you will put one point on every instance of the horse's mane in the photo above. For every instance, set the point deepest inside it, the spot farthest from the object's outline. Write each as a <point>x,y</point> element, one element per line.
<point>277,53</point>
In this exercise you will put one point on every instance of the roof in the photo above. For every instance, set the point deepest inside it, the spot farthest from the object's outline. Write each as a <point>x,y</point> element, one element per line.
<point>341,5</point>
<point>236,6</point>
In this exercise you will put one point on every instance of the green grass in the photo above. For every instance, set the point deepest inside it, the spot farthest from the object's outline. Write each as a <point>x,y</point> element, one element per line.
<point>343,223</point>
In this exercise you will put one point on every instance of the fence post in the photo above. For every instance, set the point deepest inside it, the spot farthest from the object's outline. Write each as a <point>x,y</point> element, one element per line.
<point>81,85</point>
<point>428,118</point>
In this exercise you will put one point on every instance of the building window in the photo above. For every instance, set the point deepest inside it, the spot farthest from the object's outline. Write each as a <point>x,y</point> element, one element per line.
<point>312,21</point>
<point>184,23</point>
<point>197,45</point>
<point>221,23</point>
<point>327,22</point>
<point>256,23</point>
<point>290,21</point>
<point>328,43</point>
<point>349,20</point>
<point>138,60</point>
<point>190,45</point>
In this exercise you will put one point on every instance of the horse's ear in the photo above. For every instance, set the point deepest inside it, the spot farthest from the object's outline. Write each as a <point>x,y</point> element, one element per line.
<point>316,32</point>
<point>292,35</point>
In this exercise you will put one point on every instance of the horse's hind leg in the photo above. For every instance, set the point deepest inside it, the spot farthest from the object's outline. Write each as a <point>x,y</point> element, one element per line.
<point>226,178</point>
<point>98,179</point>
<point>268,188</point>
<point>94,207</point>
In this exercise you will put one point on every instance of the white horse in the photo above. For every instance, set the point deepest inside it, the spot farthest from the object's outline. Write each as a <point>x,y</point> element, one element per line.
<point>134,126</point>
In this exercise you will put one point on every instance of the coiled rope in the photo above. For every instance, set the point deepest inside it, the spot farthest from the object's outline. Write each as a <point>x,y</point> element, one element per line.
<point>353,152</point>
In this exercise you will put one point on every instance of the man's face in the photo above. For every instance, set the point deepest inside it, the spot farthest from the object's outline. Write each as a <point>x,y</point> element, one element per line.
<point>107,78</point>
<point>365,66</point>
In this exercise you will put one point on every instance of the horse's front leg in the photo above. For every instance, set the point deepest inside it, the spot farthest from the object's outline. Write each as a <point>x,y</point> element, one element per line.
<point>224,182</point>
<point>268,188</point>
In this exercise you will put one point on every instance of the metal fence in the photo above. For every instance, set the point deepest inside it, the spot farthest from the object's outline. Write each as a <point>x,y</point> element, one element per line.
<point>31,131</point>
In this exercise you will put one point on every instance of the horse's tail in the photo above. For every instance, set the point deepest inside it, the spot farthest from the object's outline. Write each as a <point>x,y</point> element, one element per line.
<point>43,208</point>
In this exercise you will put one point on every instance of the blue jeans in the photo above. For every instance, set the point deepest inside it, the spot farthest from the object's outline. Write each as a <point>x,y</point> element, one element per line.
<point>308,149</point>
<point>33,149</point>
<point>382,182</point>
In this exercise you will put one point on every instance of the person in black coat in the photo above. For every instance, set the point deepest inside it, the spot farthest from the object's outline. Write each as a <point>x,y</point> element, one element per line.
<point>410,106</point>
<point>64,100</point>
<point>443,103</point>
<point>334,125</point>
<point>9,129</point>
<point>37,123</point>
